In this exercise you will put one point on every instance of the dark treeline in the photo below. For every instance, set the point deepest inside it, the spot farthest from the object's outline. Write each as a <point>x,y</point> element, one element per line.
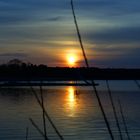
<point>23,71</point>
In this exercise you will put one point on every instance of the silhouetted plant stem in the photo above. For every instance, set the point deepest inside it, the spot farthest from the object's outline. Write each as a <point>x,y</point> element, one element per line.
<point>78,33</point>
<point>46,114</point>
<point>137,83</point>
<point>87,65</point>
<point>123,119</point>
<point>43,114</point>
<point>27,132</point>
<point>37,128</point>
<point>114,110</point>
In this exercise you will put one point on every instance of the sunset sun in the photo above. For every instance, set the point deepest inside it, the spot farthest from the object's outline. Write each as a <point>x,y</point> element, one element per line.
<point>71,59</point>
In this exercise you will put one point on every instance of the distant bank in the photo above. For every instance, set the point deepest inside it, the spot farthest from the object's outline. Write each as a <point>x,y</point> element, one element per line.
<point>44,73</point>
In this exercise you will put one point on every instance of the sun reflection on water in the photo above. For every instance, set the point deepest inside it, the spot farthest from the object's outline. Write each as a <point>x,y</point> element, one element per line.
<point>71,102</point>
<point>71,95</point>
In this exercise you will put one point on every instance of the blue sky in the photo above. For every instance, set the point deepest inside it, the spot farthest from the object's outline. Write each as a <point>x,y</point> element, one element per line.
<point>43,31</point>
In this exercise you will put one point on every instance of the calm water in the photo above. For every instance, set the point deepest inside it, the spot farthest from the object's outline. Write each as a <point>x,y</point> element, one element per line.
<point>75,114</point>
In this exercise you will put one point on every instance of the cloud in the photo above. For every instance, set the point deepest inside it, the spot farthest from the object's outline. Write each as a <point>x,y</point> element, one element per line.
<point>13,55</point>
<point>108,7</point>
<point>54,19</point>
<point>115,35</point>
<point>129,59</point>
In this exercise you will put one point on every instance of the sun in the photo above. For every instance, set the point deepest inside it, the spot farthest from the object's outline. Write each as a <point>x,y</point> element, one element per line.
<point>71,59</point>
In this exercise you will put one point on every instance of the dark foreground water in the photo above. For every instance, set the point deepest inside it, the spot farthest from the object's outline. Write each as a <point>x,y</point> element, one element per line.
<point>76,114</point>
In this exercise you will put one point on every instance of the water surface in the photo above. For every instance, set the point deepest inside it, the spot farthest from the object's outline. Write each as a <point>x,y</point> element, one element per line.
<point>74,111</point>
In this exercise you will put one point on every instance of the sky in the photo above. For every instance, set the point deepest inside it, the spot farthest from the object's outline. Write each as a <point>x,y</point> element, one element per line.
<point>43,32</point>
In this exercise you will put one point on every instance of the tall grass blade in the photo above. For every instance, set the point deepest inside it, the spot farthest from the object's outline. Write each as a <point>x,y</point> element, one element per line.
<point>87,65</point>
<point>124,121</point>
<point>37,128</point>
<point>137,83</point>
<point>43,114</point>
<point>46,114</point>
<point>27,133</point>
<point>114,110</point>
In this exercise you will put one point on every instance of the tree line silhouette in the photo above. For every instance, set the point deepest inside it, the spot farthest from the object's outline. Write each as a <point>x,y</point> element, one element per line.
<point>18,70</point>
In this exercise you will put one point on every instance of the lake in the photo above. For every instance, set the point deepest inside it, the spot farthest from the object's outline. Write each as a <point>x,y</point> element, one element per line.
<point>73,110</point>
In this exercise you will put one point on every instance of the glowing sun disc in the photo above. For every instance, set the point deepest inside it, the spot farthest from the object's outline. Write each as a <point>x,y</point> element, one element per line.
<point>71,60</point>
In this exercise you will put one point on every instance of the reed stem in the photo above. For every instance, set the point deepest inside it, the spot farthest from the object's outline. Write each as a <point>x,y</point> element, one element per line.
<point>27,132</point>
<point>43,114</point>
<point>114,110</point>
<point>37,128</point>
<point>123,119</point>
<point>137,83</point>
<point>46,114</point>
<point>87,65</point>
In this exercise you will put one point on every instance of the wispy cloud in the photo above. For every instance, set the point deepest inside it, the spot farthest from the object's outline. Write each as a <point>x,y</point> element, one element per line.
<point>13,55</point>
<point>55,19</point>
<point>116,35</point>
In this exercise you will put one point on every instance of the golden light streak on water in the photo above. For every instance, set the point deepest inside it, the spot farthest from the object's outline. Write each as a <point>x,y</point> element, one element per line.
<point>71,104</point>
